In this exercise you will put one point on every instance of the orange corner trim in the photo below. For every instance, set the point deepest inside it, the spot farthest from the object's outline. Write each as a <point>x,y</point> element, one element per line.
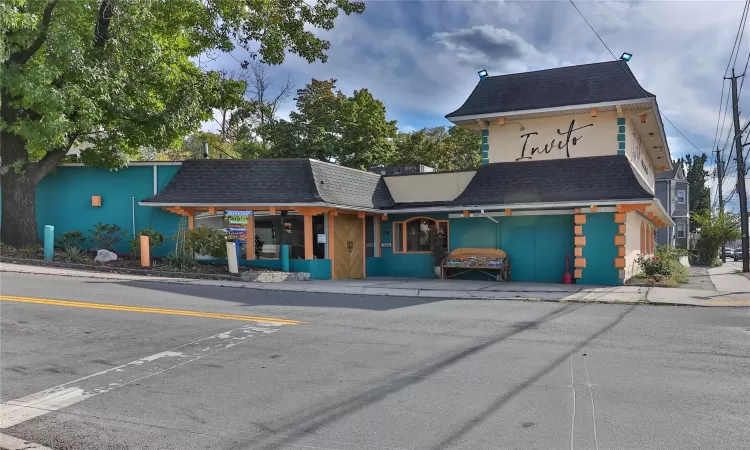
<point>580,241</point>
<point>580,263</point>
<point>578,273</point>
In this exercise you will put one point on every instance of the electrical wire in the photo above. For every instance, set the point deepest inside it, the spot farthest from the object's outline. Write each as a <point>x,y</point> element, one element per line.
<point>627,72</point>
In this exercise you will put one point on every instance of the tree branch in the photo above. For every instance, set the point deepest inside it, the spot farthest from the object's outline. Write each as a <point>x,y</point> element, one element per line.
<point>42,167</point>
<point>24,56</point>
<point>101,32</point>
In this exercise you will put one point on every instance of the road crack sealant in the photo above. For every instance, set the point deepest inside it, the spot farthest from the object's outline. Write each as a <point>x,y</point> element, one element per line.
<point>14,412</point>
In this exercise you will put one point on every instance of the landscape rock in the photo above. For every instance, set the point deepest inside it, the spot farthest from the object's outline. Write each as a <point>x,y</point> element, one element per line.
<point>274,277</point>
<point>103,255</point>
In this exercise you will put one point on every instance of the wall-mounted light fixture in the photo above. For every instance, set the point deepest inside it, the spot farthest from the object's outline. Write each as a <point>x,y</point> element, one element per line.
<point>96,200</point>
<point>483,74</point>
<point>626,57</point>
<point>644,117</point>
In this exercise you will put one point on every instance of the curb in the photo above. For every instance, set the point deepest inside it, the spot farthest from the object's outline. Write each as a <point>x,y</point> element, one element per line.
<point>419,293</point>
<point>8,442</point>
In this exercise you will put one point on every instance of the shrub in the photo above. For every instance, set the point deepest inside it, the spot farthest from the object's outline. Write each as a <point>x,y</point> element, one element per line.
<point>665,266</point>
<point>73,254</point>
<point>155,239</point>
<point>106,236</point>
<point>71,239</point>
<point>178,261</point>
<point>654,266</point>
<point>208,241</point>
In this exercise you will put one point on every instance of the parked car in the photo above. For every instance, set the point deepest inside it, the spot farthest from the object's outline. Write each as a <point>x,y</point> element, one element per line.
<point>737,254</point>
<point>728,253</point>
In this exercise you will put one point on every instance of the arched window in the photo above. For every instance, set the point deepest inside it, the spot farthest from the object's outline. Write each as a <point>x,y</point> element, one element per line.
<point>412,236</point>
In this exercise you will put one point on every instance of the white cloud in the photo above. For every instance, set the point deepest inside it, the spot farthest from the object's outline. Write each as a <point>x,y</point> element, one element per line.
<point>421,59</point>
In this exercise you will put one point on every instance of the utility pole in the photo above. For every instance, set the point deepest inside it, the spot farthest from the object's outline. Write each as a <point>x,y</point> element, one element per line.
<point>740,176</point>
<point>720,173</point>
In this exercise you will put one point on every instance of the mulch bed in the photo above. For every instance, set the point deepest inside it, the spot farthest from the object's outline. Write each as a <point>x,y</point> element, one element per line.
<point>123,265</point>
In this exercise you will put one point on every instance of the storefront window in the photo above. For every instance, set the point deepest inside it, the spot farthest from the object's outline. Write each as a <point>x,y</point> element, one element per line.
<point>412,236</point>
<point>370,236</point>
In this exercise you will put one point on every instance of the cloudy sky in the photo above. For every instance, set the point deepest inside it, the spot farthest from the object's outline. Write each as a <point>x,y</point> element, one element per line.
<point>421,57</point>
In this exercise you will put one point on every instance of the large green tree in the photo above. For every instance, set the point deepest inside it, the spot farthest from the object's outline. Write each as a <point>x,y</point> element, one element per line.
<point>120,75</point>
<point>330,126</point>
<point>700,193</point>
<point>443,149</point>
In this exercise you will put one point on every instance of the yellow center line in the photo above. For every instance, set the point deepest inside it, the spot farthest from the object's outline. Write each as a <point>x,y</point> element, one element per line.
<point>175,312</point>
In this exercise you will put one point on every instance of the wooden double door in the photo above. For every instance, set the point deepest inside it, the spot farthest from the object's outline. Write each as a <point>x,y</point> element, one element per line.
<point>348,247</point>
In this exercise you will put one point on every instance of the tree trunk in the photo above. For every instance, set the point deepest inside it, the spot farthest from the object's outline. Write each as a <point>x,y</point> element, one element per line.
<point>18,226</point>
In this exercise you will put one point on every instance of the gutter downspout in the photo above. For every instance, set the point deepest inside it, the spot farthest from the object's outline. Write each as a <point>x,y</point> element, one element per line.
<point>133,214</point>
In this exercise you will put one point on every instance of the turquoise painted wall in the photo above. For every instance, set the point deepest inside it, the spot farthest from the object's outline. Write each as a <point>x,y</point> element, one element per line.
<point>319,269</point>
<point>537,245</point>
<point>411,265</point>
<point>63,199</point>
<point>600,250</point>
<point>372,267</point>
<point>473,232</point>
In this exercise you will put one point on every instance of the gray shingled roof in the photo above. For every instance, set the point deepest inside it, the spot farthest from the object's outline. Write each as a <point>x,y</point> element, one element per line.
<point>669,174</point>
<point>558,180</point>
<point>575,85</point>
<point>280,181</point>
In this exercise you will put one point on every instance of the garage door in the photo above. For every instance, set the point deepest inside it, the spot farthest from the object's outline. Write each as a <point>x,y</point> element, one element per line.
<point>537,245</point>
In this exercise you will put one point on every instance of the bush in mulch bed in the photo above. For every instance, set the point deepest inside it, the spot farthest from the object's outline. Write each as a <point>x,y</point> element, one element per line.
<point>124,264</point>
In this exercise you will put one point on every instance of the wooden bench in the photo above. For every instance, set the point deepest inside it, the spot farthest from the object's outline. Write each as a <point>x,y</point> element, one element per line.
<point>489,261</point>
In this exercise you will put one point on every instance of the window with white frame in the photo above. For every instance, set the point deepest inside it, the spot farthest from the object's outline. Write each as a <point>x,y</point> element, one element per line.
<point>680,229</point>
<point>681,195</point>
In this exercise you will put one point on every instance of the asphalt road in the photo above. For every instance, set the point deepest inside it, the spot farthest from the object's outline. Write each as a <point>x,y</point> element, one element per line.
<point>364,372</point>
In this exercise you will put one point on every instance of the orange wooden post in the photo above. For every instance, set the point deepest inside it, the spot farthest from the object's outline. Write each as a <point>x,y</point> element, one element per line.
<point>145,256</point>
<point>191,221</point>
<point>250,238</point>
<point>308,236</point>
<point>331,253</point>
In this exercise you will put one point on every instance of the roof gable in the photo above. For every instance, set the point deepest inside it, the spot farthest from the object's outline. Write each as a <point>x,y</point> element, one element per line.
<point>565,86</point>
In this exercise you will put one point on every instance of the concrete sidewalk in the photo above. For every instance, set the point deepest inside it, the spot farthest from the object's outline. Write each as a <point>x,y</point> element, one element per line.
<point>737,294</point>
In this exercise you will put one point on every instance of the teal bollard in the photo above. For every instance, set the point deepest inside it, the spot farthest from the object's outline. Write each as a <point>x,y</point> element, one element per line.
<point>49,242</point>
<point>284,258</point>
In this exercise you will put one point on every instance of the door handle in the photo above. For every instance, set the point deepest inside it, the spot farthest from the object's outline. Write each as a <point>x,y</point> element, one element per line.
<point>350,246</point>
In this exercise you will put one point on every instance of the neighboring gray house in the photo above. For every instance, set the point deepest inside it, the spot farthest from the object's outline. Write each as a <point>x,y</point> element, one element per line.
<point>673,191</point>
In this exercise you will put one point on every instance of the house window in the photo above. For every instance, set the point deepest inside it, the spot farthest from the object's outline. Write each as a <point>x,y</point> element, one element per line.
<point>681,196</point>
<point>412,236</point>
<point>680,229</point>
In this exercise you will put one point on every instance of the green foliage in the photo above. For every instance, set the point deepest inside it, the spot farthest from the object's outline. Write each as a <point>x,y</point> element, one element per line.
<point>716,229</point>
<point>700,194</point>
<point>664,266</point>
<point>654,265</point>
<point>106,236</point>
<point>454,148</point>
<point>669,252</point>
<point>177,261</point>
<point>73,254</point>
<point>71,239</point>
<point>155,239</point>
<point>437,246</point>
<point>331,126</point>
<point>122,75</point>
<point>208,241</point>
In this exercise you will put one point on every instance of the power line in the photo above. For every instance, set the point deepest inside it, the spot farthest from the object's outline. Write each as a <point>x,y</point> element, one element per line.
<point>632,77</point>
<point>740,29</point>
